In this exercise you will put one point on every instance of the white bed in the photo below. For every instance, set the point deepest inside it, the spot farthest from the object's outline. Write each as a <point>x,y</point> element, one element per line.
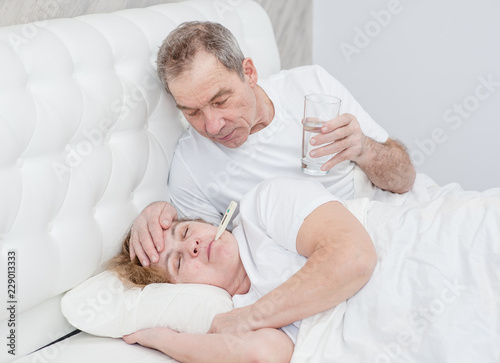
<point>86,138</point>
<point>435,293</point>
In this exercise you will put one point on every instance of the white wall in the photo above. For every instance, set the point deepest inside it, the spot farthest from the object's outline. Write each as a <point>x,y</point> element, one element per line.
<point>427,71</point>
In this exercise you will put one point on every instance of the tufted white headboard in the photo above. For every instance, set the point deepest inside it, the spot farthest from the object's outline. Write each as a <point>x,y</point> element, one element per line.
<point>86,138</point>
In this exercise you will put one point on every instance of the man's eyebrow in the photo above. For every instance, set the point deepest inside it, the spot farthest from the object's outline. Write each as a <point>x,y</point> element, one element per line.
<point>220,93</point>
<point>182,107</point>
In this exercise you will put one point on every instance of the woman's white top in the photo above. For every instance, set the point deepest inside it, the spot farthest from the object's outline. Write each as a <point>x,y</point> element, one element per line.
<point>266,229</point>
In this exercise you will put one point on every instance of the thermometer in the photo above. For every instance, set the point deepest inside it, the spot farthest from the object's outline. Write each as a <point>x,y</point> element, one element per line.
<point>225,220</point>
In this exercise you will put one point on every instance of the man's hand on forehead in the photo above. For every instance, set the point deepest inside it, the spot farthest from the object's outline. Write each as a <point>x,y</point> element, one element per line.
<point>146,237</point>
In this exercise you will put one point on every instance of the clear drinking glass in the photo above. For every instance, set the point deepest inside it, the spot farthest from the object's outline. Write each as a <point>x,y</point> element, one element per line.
<point>318,109</point>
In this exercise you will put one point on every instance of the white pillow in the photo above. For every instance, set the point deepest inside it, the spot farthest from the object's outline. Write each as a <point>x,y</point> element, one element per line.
<point>103,306</point>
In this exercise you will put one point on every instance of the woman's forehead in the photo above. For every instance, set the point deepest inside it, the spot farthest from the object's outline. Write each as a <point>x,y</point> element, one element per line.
<point>176,224</point>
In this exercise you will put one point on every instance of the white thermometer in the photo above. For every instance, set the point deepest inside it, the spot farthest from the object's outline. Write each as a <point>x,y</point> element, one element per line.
<point>225,220</point>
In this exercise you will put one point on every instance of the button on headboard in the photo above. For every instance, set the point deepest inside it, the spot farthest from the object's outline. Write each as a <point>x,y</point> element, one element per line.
<point>87,134</point>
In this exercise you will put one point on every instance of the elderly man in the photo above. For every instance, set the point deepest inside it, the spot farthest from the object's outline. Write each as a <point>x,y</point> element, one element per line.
<point>244,131</point>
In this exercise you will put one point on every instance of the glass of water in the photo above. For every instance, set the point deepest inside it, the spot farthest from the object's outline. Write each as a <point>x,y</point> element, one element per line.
<point>318,109</point>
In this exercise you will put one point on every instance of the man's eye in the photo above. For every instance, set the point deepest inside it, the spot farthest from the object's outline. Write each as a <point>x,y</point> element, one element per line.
<point>220,103</point>
<point>194,114</point>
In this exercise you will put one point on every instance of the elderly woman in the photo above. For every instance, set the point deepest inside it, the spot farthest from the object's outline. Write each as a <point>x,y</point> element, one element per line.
<point>290,256</point>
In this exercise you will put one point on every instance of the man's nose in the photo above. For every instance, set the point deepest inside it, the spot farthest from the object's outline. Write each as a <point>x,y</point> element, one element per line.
<point>214,122</point>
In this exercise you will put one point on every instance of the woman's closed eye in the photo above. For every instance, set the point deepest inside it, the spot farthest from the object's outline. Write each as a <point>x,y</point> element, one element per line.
<point>179,262</point>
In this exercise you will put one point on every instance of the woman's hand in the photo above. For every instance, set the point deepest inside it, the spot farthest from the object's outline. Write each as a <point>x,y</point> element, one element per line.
<point>146,234</point>
<point>150,338</point>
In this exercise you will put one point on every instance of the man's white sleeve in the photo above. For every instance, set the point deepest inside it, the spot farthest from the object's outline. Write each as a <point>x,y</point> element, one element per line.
<point>187,197</point>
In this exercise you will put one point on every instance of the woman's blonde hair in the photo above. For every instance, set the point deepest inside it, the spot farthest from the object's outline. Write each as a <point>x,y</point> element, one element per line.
<point>132,272</point>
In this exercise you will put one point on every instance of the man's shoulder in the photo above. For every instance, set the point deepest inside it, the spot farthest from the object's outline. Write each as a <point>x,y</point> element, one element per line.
<point>289,86</point>
<point>303,79</point>
<point>190,156</point>
<point>189,146</point>
<point>195,154</point>
<point>298,72</point>
<point>192,142</point>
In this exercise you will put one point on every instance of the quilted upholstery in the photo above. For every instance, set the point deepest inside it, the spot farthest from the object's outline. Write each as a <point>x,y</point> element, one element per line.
<point>87,134</point>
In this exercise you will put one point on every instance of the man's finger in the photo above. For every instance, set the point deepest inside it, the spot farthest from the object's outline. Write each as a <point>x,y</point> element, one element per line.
<point>337,159</point>
<point>142,248</point>
<point>131,245</point>
<point>168,214</point>
<point>339,121</point>
<point>142,257</point>
<point>156,232</point>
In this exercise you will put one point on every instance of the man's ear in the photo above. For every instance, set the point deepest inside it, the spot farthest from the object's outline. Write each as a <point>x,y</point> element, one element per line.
<point>250,71</point>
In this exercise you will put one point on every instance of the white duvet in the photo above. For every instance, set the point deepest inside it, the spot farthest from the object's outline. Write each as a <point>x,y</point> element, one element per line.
<point>435,293</point>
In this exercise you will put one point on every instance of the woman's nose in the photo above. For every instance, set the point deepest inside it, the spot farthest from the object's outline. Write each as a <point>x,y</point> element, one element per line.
<point>194,248</point>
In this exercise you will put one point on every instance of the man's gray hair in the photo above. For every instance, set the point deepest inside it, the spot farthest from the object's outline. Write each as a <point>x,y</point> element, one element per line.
<point>178,50</point>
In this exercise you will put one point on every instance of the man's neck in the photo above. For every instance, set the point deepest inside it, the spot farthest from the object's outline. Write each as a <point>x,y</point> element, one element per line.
<point>265,110</point>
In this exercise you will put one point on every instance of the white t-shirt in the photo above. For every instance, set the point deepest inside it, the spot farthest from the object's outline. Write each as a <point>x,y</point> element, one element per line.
<point>205,176</point>
<point>266,230</point>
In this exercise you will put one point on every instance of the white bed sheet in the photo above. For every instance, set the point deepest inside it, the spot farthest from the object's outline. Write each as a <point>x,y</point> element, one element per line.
<point>435,293</point>
<point>85,348</point>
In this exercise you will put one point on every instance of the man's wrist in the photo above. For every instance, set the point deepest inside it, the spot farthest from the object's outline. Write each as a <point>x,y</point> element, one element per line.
<point>368,152</point>
<point>262,314</point>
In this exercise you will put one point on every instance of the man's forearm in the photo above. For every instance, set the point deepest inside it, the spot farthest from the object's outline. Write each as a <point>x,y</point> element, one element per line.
<point>387,165</point>
<point>327,278</point>
<point>341,258</point>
